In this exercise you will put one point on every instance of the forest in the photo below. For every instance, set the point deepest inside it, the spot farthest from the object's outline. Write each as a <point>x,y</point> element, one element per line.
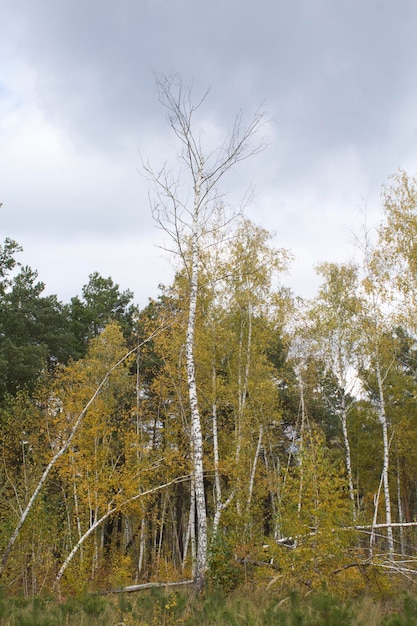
<point>230,431</point>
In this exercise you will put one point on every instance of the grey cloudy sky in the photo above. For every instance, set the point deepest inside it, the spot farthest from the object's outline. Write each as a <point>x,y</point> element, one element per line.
<point>78,106</point>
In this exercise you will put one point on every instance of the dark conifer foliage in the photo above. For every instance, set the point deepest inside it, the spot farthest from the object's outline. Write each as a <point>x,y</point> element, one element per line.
<point>102,302</point>
<point>38,332</point>
<point>34,329</point>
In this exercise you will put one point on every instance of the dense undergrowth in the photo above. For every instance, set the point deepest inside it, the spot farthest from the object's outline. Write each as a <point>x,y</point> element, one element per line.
<point>246,607</point>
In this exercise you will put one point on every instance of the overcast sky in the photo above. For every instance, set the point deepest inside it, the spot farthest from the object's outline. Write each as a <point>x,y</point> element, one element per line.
<point>79,107</point>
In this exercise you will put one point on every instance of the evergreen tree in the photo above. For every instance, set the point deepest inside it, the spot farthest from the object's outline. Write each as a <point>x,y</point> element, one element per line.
<point>102,302</point>
<point>35,332</point>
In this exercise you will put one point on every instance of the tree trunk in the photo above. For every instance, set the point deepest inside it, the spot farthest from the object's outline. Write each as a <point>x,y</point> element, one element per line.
<point>384,423</point>
<point>348,460</point>
<point>255,462</point>
<point>187,227</point>
<point>196,433</point>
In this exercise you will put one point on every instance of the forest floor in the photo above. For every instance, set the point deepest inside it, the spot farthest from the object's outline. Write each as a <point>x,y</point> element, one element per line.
<point>243,607</point>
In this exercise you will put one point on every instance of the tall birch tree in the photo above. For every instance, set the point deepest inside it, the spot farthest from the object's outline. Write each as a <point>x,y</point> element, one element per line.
<point>335,313</point>
<point>184,205</point>
<point>375,325</point>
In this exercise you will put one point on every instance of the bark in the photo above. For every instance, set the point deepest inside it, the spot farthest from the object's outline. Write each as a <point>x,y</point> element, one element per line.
<point>255,462</point>
<point>348,460</point>
<point>190,536</point>
<point>142,544</point>
<point>196,432</point>
<point>400,507</point>
<point>303,418</point>
<point>291,541</point>
<point>244,366</point>
<point>385,468</point>
<point>220,505</point>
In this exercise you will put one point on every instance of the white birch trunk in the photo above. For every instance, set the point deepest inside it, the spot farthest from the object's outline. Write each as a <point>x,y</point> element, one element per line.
<point>255,462</point>
<point>187,227</point>
<point>190,534</point>
<point>196,433</point>
<point>220,506</point>
<point>400,506</point>
<point>142,544</point>
<point>375,518</point>
<point>384,423</point>
<point>243,381</point>
<point>217,484</point>
<point>348,459</point>
<point>303,416</point>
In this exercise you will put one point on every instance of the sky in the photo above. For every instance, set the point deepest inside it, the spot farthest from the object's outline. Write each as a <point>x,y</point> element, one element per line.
<point>79,114</point>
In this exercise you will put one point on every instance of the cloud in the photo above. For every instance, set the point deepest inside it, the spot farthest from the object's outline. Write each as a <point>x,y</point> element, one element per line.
<point>79,109</point>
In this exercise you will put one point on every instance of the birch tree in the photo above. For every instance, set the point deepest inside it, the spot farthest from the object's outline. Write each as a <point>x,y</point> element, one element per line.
<point>183,205</point>
<point>396,252</point>
<point>375,324</point>
<point>391,280</point>
<point>255,305</point>
<point>335,314</point>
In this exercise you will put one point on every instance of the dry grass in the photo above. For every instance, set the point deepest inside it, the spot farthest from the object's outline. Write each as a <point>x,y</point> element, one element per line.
<point>256,607</point>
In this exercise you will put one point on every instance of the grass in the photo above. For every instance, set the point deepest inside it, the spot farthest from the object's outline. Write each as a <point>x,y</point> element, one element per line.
<point>243,607</point>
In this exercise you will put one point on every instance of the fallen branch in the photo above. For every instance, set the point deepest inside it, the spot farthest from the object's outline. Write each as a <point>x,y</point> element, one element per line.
<point>143,586</point>
<point>291,542</point>
<point>392,525</point>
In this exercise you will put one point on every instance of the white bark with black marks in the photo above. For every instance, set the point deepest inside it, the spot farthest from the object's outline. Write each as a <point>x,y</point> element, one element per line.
<point>189,224</point>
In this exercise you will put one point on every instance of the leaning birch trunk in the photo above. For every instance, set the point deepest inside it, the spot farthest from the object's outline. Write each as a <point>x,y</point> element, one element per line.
<point>64,449</point>
<point>255,463</point>
<point>46,472</point>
